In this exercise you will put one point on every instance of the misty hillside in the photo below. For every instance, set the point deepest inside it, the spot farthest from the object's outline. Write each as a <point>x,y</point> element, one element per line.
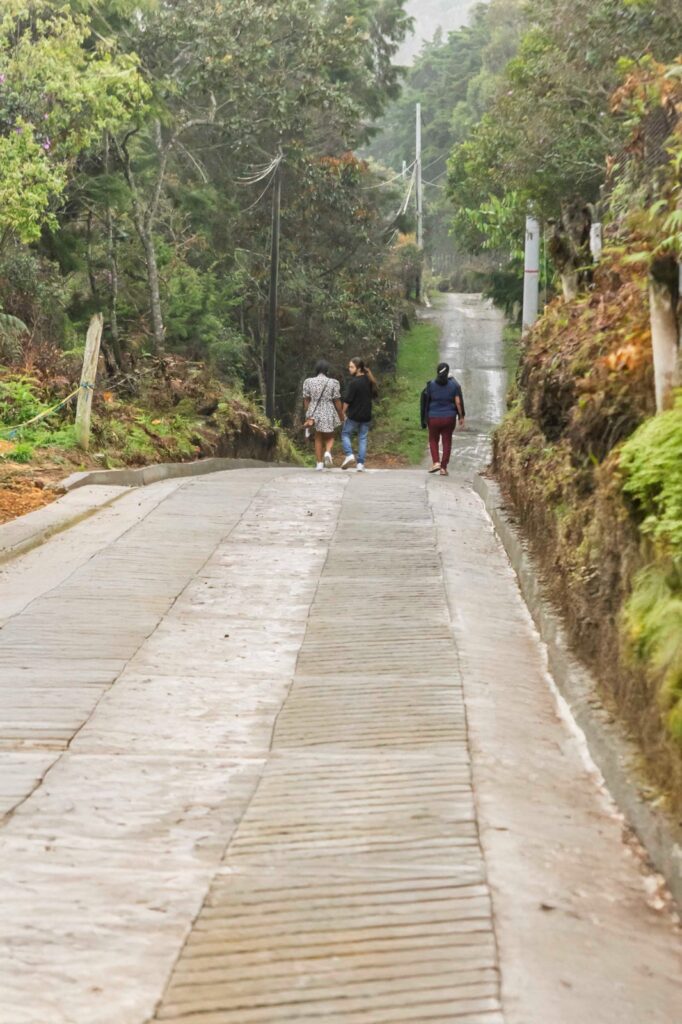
<point>431,14</point>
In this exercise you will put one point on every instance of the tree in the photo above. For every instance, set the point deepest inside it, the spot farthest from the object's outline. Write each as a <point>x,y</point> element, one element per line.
<point>57,96</point>
<point>546,135</point>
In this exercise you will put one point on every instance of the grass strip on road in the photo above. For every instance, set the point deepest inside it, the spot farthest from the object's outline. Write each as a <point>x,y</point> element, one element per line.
<point>397,433</point>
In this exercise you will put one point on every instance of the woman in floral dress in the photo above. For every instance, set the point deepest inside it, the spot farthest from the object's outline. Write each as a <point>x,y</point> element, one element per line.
<point>324,411</point>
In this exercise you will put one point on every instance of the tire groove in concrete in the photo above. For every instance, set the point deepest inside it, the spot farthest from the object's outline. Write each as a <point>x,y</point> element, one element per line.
<point>360,841</point>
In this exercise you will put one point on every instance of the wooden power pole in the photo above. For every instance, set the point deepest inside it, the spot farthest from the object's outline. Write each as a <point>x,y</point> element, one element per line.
<point>88,377</point>
<point>271,353</point>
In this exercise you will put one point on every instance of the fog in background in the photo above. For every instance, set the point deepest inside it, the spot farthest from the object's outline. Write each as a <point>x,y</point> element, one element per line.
<point>428,16</point>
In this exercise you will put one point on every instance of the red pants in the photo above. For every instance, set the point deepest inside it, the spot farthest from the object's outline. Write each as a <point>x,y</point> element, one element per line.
<point>441,427</point>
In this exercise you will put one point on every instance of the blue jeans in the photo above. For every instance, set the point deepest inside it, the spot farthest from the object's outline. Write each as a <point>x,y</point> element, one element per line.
<point>349,428</point>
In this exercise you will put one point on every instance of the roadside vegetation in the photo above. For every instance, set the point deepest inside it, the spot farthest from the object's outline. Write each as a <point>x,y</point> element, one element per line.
<point>397,439</point>
<point>140,145</point>
<point>592,469</point>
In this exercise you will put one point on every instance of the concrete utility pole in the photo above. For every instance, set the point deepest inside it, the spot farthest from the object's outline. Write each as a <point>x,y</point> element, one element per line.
<point>531,273</point>
<point>418,179</point>
<point>419,193</point>
<point>271,353</point>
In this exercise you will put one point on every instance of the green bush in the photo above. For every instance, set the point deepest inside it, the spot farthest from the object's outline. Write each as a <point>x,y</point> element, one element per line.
<point>651,461</point>
<point>18,399</point>
<point>653,617</point>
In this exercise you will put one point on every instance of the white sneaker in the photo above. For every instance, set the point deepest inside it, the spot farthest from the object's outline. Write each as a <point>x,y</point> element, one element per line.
<point>328,460</point>
<point>361,467</point>
<point>319,467</point>
<point>348,462</point>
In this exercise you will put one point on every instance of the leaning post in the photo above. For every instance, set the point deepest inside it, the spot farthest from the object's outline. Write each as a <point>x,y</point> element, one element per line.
<point>531,273</point>
<point>88,377</point>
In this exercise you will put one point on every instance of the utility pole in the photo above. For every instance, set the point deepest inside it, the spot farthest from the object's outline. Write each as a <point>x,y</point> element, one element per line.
<point>418,179</point>
<point>271,353</point>
<point>419,194</point>
<point>531,273</point>
<point>88,375</point>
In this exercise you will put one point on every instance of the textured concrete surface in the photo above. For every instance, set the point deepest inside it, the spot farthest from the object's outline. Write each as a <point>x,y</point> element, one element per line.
<point>21,535</point>
<point>235,753</point>
<point>616,755</point>
<point>354,889</point>
<point>584,928</point>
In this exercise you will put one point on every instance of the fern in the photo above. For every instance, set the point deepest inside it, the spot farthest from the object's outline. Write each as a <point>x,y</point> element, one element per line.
<point>651,461</point>
<point>653,620</point>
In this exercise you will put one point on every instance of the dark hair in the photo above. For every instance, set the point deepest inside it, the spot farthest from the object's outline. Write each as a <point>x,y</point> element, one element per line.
<point>322,366</point>
<point>364,369</point>
<point>442,373</point>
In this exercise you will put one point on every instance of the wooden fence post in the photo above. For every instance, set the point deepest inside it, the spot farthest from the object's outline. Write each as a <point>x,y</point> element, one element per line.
<point>88,377</point>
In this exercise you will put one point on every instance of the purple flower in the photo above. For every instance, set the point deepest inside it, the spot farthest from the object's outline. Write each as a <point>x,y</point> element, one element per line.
<point>2,79</point>
<point>47,145</point>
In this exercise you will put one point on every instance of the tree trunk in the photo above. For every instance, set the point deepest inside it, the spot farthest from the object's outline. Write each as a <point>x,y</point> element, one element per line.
<point>158,328</point>
<point>112,257</point>
<point>665,332</point>
<point>143,219</point>
<point>569,247</point>
<point>113,293</point>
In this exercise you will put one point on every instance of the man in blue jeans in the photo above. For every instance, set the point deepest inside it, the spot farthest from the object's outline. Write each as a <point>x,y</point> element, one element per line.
<point>357,408</point>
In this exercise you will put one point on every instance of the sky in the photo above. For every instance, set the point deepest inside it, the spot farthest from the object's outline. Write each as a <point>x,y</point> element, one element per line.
<point>428,15</point>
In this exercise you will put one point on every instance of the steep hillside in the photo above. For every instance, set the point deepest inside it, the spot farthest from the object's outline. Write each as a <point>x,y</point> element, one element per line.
<point>595,480</point>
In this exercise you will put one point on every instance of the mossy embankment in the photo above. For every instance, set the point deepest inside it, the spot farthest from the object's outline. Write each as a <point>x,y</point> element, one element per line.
<point>167,410</point>
<point>397,438</point>
<point>595,480</point>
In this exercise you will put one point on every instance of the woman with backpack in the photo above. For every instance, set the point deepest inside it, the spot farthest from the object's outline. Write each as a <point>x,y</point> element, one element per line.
<point>323,410</point>
<point>442,406</point>
<point>360,391</point>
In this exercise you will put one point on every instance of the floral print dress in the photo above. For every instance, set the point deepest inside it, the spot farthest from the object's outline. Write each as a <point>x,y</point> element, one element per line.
<point>322,391</point>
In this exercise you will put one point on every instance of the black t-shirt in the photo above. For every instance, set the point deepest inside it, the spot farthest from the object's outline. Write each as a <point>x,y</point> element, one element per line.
<point>358,396</point>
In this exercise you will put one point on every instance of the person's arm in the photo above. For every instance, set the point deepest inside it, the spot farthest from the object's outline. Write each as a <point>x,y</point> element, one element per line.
<point>340,408</point>
<point>336,399</point>
<point>459,405</point>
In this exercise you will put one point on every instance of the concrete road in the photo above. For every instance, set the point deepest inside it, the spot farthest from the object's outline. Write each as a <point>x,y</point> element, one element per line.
<point>279,746</point>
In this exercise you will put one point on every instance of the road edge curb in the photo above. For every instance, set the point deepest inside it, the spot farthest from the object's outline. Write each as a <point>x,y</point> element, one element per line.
<point>145,475</point>
<point>126,478</point>
<point>615,755</point>
<point>41,536</point>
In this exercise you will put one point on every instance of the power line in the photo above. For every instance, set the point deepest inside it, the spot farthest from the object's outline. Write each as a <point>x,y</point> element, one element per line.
<point>260,172</point>
<point>389,181</point>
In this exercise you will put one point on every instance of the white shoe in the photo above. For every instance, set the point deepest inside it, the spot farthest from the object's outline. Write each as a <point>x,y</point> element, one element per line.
<point>361,467</point>
<point>319,467</point>
<point>348,462</point>
<point>328,460</point>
